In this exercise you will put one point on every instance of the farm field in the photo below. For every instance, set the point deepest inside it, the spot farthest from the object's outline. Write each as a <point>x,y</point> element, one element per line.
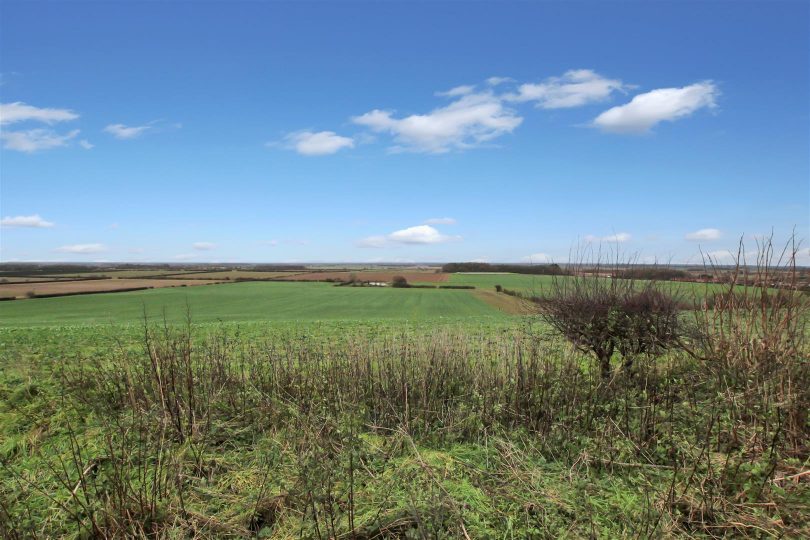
<point>539,285</point>
<point>524,283</point>
<point>239,274</point>
<point>373,275</point>
<point>16,279</point>
<point>21,290</point>
<point>247,301</point>
<point>116,274</point>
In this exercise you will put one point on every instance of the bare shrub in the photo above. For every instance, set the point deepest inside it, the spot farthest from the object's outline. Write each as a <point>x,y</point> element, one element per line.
<point>606,315</point>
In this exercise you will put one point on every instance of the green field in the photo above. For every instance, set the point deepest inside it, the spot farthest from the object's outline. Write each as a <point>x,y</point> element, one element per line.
<point>518,282</point>
<point>534,285</point>
<point>253,301</point>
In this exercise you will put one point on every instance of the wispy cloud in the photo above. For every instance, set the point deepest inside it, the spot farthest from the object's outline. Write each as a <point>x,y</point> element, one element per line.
<point>121,131</point>
<point>25,221</point>
<point>704,234</point>
<point>203,246</point>
<point>11,113</point>
<point>319,143</point>
<point>612,238</point>
<point>647,110</point>
<point>82,248</point>
<point>575,88</point>
<point>462,90</point>
<point>33,140</point>
<point>440,221</point>
<point>495,81</point>
<point>467,122</point>
<point>372,242</point>
<point>419,234</point>
<point>722,256</point>
<point>537,258</point>
<point>87,145</point>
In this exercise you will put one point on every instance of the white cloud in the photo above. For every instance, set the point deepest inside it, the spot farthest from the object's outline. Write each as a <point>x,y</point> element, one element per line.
<point>440,221</point>
<point>203,246</point>
<point>704,234</point>
<point>87,145</point>
<point>467,122</point>
<point>615,238</point>
<point>185,256</point>
<point>419,234</point>
<point>575,88</point>
<point>320,143</point>
<point>537,258</point>
<point>271,243</point>
<point>20,112</point>
<point>33,140</point>
<point>664,104</point>
<point>462,90</point>
<point>82,248</point>
<point>121,131</point>
<point>25,221</point>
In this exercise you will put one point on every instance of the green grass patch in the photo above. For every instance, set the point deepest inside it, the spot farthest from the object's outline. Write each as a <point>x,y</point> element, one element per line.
<point>252,301</point>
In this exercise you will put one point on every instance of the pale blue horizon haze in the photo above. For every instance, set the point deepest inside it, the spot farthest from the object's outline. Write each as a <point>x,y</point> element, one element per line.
<point>400,132</point>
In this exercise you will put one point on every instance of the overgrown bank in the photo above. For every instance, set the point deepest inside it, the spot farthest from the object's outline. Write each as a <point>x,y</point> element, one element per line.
<point>434,432</point>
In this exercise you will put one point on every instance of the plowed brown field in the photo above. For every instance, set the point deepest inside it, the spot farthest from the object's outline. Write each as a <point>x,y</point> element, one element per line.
<point>21,290</point>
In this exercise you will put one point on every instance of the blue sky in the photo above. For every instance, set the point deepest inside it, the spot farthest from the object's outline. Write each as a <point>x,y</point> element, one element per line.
<point>347,131</point>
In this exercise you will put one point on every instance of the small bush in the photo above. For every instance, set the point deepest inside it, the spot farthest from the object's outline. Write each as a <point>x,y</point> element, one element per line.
<point>498,288</point>
<point>400,282</point>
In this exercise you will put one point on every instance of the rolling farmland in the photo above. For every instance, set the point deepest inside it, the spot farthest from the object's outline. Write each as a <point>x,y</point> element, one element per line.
<point>248,301</point>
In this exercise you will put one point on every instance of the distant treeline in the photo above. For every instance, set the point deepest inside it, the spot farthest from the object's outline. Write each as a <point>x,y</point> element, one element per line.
<point>535,269</point>
<point>654,273</point>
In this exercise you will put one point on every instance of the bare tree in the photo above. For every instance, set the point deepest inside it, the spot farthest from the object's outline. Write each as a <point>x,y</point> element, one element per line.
<point>602,314</point>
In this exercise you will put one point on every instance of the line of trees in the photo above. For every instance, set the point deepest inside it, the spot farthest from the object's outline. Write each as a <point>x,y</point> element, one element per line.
<point>538,269</point>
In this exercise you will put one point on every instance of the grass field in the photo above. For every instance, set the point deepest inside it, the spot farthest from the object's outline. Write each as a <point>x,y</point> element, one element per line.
<point>373,275</point>
<point>535,285</point>
<point>247,302</point>
<point>524,283</point>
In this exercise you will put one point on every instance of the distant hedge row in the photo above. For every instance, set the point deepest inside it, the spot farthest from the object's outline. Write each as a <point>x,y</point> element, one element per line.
<point>537,269</point>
